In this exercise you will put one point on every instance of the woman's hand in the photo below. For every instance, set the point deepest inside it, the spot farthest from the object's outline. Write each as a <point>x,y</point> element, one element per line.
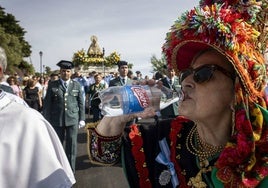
<point>113,126</point>
<point>147,113</point>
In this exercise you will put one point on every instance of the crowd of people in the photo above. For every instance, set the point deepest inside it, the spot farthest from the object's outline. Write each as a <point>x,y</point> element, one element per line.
<point>216,136</point>
<point>33,88</point>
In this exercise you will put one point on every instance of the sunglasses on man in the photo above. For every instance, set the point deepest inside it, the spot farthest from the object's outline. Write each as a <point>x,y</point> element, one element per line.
<point>204,73</point>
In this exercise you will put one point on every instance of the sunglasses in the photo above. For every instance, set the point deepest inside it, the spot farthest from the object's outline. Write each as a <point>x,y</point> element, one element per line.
<point>203,73</point>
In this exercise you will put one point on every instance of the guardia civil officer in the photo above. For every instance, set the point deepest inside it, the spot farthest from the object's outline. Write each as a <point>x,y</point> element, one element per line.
<point>122,79</point>
<point>64,109</point>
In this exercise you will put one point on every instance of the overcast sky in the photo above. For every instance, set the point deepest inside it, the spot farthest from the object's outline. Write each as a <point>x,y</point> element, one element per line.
<point>136,29</point>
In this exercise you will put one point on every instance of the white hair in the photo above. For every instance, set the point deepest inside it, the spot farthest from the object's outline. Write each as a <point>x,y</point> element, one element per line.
<point>3,59</point>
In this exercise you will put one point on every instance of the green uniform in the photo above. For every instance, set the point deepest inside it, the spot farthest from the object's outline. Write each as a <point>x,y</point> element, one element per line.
<point>64,108</point>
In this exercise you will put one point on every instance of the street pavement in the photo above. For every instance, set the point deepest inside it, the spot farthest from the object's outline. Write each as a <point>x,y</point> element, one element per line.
<point>93,176</point>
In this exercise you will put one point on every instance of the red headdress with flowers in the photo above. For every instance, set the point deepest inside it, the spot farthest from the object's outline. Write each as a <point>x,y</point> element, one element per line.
<point>238,30</point>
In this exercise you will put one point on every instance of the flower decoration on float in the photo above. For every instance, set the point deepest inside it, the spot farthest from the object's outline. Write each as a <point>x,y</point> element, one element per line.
<point>113,58</point>
<point>79,57</point>
<point>82,58</point>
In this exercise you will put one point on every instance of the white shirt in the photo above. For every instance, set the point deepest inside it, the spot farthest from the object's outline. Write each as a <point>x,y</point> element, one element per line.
<point>121,80</point>
<point>14,98</point>
<point>31,154</point>
<point>63,81</point>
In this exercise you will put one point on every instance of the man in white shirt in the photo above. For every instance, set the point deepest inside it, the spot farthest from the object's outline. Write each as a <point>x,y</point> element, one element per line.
<point>31,154</point>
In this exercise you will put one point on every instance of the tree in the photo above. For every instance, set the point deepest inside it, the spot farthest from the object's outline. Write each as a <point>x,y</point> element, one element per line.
<point>27,68</point>
<point>12,47</point>
<point>130,65</point>
<point>13,41</point>
<point>48,70</point>
<point>159,65</point>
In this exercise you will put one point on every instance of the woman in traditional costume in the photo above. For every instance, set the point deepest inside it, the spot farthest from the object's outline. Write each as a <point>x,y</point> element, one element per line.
<point>220,138</point>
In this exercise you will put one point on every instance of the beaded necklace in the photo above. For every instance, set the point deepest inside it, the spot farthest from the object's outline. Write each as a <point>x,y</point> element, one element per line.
<point>196,146</point>
<point>203,150</point>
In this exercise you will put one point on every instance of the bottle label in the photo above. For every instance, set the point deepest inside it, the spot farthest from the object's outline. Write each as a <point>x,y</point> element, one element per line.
<point>138,99</point>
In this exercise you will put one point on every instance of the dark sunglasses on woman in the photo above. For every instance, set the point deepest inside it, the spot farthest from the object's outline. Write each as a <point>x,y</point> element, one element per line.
<point>203,73</point>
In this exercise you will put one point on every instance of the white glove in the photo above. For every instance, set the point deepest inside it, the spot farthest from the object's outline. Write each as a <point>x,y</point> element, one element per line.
<point>81,124</point>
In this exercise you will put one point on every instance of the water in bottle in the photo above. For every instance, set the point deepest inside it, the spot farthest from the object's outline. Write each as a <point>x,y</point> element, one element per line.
<point>120,100</point>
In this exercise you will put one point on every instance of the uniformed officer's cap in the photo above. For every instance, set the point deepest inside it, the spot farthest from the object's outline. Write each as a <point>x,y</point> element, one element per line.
<point>121,63</point>
<point>63,64</point>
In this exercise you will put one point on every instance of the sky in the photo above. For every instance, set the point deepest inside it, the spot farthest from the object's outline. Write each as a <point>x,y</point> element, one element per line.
<point>135,29</point>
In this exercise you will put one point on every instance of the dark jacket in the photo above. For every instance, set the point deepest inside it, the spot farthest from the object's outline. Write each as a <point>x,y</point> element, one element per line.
<point>144,148</point>
<point>172,110</point>
<point>141,148</point>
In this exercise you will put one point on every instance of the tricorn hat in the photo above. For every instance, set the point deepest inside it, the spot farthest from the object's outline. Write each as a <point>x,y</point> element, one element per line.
<point>63,64</point>
<point>121,63</point>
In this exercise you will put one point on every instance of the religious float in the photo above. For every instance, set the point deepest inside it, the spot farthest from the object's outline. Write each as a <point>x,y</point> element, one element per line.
<point>94,59</point>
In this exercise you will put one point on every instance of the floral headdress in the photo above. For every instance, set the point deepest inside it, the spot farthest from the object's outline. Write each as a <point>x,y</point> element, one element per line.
<point>231,28</point>
<point>238,30</point>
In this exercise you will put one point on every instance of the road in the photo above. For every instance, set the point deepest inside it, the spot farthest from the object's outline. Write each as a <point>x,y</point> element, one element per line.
<point>93,176</point>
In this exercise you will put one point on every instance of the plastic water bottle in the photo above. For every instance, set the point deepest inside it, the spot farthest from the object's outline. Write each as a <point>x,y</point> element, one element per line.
<point>121,100</point>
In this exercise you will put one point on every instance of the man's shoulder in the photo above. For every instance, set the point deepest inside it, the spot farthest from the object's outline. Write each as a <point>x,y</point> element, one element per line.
<point>111,83</point>
<point>6,88</point>
<point>163,79</point>
<point>75,82</point>
<point>54,82</point>
<point>115,80</point>
<point>16,99</point>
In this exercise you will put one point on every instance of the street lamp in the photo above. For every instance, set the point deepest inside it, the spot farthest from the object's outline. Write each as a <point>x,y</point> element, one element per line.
<point>41,66</point>
<point>44,69</point>
<point>103,66</point>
